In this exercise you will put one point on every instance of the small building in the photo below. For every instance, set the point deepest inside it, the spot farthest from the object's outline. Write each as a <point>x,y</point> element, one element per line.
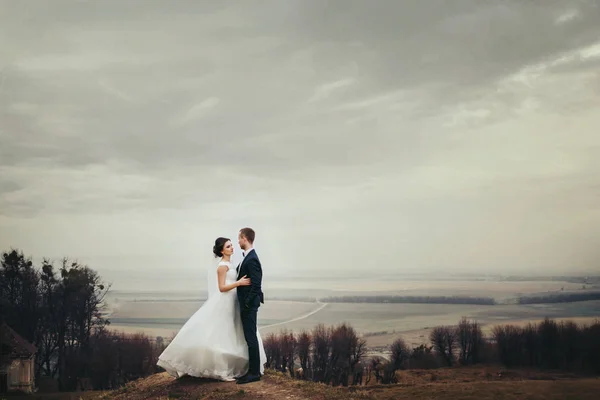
<point>17,362</point>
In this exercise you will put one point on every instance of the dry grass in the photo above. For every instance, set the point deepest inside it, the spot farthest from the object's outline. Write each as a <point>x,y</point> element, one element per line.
<point>490,382</point>
<point>273,386</point>
<point>91,395</point>
<point>508,390</point>
<point>465,383</point>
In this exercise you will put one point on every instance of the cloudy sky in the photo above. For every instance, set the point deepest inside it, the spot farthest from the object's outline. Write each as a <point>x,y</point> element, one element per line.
<point>381,137</point>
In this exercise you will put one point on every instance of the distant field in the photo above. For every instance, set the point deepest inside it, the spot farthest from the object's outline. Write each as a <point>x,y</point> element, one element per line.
<point>272,310</point>
<point>408,317</point>
<point>475,288</point>
<point>169,313</point>
<point>412,321</point>
<point>380,317</point>
<point>314,288</point>
<point>163,318</point>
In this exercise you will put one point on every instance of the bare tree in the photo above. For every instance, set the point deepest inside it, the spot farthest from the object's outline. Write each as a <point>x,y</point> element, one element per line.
<point>303,344</point>
<point>48,338</point>
<point>529,342</point>
<point>80,301</point>
<point>509,342</point>
<point>389,374</point>
<point>400,353</point>
<point>320,352</point>
<point>346,350</point>
<point>548,334</point>
<point>443,339</point>
<point>421,357</point>
<point>470,341</point>
<point>287,344</point>
<point>589,348</point>
<point>359,372</point>
<point>376,367</point>
<point>369,370</point>
<point>570,340</point>
<point>19,282</point>
<point>272,351</point>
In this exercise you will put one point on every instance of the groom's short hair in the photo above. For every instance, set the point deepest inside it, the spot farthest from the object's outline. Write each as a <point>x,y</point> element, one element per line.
<point>248,233</point>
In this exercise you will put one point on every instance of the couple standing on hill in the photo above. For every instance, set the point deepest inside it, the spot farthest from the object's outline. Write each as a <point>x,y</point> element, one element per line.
<point>221,340</point>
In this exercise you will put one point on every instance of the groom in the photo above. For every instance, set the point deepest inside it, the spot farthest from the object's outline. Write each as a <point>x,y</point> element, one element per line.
<point>250,298</point>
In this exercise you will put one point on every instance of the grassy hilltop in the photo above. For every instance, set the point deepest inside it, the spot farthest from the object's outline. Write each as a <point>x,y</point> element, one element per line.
<point>482,383</point>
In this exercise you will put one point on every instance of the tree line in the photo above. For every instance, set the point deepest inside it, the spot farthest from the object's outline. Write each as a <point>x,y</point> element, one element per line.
<point>550,345</point>
<point>338,355</point>
<point>412,299</point>
<point>59,309</point>
<point>559,298</point>
<point>330,355</point>
<point>534,299</point>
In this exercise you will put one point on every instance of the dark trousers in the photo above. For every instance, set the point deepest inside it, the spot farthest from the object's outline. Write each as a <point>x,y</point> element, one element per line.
<point>249,324</point>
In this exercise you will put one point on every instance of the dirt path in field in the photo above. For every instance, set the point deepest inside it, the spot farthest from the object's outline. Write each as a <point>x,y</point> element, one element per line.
<point>304,316</point>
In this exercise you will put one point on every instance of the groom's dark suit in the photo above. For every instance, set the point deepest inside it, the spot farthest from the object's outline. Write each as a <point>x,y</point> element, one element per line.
<point>250,298</point>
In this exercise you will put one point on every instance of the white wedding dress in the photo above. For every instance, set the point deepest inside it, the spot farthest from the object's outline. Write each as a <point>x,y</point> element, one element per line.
<point>211,343</point>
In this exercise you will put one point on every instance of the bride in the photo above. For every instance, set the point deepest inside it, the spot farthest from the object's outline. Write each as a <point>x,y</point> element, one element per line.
<point>211,344</point>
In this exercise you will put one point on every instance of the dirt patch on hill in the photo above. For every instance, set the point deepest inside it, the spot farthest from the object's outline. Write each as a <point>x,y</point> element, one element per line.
<point>272,386</point>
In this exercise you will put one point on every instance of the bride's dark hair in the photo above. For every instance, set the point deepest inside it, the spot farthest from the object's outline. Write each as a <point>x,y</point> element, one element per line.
<point>218,247</point>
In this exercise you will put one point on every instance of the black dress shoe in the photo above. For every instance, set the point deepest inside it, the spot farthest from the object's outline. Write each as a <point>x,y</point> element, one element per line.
<point>248,379</point>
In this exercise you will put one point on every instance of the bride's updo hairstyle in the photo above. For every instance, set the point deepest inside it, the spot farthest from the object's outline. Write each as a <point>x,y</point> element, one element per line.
<point>218,247</point>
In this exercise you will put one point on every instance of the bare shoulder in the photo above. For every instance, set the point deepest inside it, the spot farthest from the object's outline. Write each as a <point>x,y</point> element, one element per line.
<point>223,267</point>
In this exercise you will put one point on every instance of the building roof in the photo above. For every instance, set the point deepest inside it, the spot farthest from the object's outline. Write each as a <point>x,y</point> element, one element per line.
<point>17,345</point>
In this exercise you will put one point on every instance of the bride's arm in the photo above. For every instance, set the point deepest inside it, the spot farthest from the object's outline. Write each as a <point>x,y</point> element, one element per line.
<point>221,273</point>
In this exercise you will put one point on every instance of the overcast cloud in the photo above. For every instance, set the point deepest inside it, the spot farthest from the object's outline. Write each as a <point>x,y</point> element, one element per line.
<point>352,135</point>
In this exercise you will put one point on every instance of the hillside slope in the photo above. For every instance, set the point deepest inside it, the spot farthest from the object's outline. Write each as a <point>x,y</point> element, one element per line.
<point>468,383</point>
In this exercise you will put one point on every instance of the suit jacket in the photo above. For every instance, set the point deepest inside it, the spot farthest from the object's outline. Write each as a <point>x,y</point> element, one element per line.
<point>250,297</point>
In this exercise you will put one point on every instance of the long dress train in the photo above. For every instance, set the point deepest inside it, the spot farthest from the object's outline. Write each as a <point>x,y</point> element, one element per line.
<point>211,343</point>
